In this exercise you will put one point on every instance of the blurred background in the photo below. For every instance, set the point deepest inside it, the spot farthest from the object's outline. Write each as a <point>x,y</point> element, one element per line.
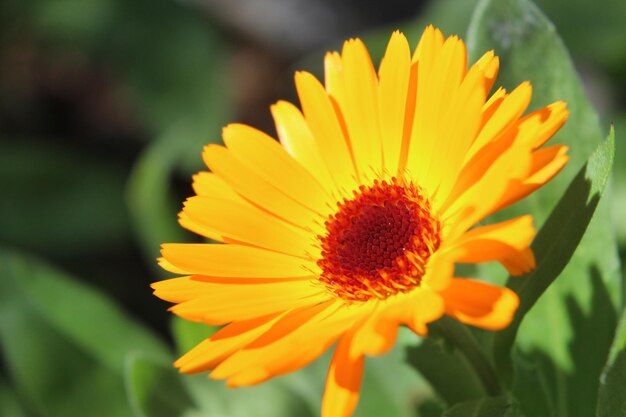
<point>105,106</point>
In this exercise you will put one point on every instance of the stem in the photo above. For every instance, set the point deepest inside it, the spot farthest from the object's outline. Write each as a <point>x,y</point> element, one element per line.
<point>462,338</point>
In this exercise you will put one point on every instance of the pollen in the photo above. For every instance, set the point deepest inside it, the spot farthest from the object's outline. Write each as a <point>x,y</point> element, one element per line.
<point>378,242</point>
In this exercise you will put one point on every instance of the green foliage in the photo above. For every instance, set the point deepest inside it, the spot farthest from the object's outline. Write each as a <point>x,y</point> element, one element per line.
<point>555,244</point>
<point>446,370</point>
<point>49,180</point>
<point>154,388</point>
<point>486,407</point>
<point>9,403</point>
<point>612,392</point>
<point>151,202</point>
<point>64,343</point>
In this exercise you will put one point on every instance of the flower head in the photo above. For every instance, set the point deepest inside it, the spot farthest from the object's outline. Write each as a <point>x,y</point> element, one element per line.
<point>352,225</point>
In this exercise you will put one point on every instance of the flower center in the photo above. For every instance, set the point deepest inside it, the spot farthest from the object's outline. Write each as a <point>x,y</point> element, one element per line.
<point>378,243</point>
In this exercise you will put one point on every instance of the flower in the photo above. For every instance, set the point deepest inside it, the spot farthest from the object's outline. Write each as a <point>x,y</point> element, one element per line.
<point>352,225</point>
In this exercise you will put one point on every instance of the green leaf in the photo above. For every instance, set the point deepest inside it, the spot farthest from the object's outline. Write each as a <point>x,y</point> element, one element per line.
<point>151,203</point>
<point>64,344</point>
<point>447,371</point>
<point>544,387</point>
<point>601,42</point>
<point>612,392</point>
<point>390,388</point>
<point>533,387</point>
<point>531,50</point>
<point>463,339</point>
<point>9,403</point>
<point>612,395</point>
<point>556,242</point>
<point>154,387</point>
<point>74,187</point>
<point>272,398</point>
<point>486,407</point>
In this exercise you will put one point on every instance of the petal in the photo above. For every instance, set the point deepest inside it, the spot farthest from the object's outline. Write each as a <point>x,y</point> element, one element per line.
<point>234,261</point>
<point>242,222</point>
<point>440,269</point>
<point>485,196</point>
<point>322,120</point>
<point>437,82</point>
<point>492,104</point>
<point>220,303</point>
<point>394,74</point>
<point>210,185</point>
<point>437,148</point>
<point>257,190</point>
<point>480,304</point>
<point>270,161</point>
<point>343,382</point>
<point>551,118</point>
<point>295,340</point>
<point>507,113</point>
<point>358,103</point>
<point>454,139</point>
<point>333,65</point>
<point>545,164</point>
<point>507,242</point>
<point>209,353</point>
<point>295,135</point>
<point>429,45</point>
<point>424,306</point>
<point>377,334</point>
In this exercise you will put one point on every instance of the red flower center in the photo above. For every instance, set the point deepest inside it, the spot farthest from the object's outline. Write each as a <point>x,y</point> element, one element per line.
<point>378,243</point>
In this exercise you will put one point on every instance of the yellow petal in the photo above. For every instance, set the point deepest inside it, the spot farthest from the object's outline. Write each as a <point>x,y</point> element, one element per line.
<point>257,190</point>
<point>322,120</point>
<point>165,264</point>
<point>480,304</point>
<point>209,353</point>
<point>217,304</point>
<point>508,112</point>
<point>492,104</point>
<point>210,185</point>
<point>247,224</point>
<point>359,108</point>
<point>546,163</point>
<point>270,161</point>
<point>489,65</point>
<point>486,196</point>
<point>439,269</point>
<point>551,118</point>
<point>296,339</point>
<point>507,242</point>
<point>453,139</point>
<point>429,45</point>
<point>296,137</point>
<point>424,306</point>
<point>343,382</point>
<point>439,75</point>
<point>333,80</point>
<point>234,261</point>
<point>394,73</point>
<point>377,334</point>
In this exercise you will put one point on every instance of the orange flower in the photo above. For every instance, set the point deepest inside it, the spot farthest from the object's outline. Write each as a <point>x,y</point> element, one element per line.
<point>351,226</point>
